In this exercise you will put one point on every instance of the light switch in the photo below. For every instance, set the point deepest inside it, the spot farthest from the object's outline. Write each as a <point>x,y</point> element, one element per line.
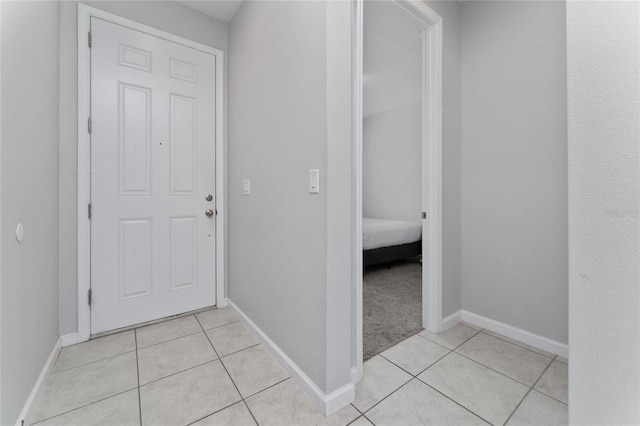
<point>314,181</point>
<point>246,187</point>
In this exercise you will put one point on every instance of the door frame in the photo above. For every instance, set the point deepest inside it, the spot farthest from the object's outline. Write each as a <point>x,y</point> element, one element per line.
<point>85,13</point>
<point>429,25</point>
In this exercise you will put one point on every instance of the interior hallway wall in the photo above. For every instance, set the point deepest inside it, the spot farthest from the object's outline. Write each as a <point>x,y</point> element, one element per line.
<point>277,133</point>
<point>289,112</point>
<point>603,40</point>
<point>164,15</point>
<point>514,164</point>
<point>29,291</point>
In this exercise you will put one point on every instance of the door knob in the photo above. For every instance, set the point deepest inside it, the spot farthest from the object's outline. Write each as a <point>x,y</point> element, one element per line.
<point>209,212</point>
<point>209,197</point>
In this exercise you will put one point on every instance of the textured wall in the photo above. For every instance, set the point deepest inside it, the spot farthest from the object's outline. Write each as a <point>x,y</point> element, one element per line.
<point>604,203</point>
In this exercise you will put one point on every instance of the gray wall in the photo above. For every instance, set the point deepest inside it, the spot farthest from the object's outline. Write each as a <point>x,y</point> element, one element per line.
<point>289,271</point>
<point>451,155</point>
<point>603,40</point>
<point>392,164</point>
<point>277,132</point>
<point>167,16</point>
<point>514,164</point>
<point>29,291</point>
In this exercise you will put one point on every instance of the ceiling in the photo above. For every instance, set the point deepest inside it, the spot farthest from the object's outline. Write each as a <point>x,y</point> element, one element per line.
<point>224,10</point>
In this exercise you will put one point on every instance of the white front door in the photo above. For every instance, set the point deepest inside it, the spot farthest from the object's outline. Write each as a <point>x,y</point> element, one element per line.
<point>152,171</point>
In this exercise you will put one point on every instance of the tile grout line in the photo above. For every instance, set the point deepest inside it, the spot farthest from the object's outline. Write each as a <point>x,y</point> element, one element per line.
<point>196,366</point>
<point>178,372</point>
<point>239,350</point>
<point>368,419</point>
<point>426,384</point>
<point>250,412</point>
<point>215,412</point>
<point>555,359</point>
<point>170,340</point>
<point>229,375</point>
<point>361,414</point>
<point>135,338</point>
<point>83,406</point>
<point>403,340</point>
<point>512,341</point>
<point>134,330</point>
<point>379,402</point>
<point>151,323</point>
<point>421,371</point>
<point>454,350</point>
<point>462,343</point>
<point>494,370</point>
<point>550,397</point>
<point>268,387</point>
<point>202,330</point>
<point>454,401</point>
<point>91,362</point>
<point>528,392</point>
<point>135,350</point>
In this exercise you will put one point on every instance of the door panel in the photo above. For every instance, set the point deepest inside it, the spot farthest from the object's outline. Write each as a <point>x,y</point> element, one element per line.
<point>152,166</point>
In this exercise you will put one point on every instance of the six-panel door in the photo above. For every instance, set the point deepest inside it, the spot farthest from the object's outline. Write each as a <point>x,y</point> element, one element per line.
<point>152,167</point>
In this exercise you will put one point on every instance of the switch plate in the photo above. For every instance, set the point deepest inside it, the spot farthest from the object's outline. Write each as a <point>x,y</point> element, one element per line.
<point>314,181</point>
<point>246,187</point>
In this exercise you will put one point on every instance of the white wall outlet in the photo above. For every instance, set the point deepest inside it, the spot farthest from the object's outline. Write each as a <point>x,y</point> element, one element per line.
<point>246,187</point>
<point>314,181</point>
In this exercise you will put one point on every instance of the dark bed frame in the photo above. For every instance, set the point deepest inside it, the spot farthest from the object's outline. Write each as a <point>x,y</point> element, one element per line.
<point>391,254</point>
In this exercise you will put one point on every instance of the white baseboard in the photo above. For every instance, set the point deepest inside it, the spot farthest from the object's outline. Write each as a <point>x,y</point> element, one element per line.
<point>222,303</point>
<point>37,387</point>
<point>69,339</point>
<point>519,334</point>
<point>356,375</point>
<point>451,320</point>
<point>328,404</point>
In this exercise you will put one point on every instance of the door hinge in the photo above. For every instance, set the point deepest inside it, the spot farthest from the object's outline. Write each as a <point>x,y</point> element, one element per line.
<point>89,210</point>
<point>89,125</point>
<point>90,296</point>
<point>89,39</point>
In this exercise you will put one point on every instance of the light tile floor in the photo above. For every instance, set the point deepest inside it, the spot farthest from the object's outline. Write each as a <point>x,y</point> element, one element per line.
<point>208,369</point>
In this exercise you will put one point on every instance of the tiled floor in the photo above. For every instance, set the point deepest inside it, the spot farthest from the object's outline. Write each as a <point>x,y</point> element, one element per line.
<point>207,369</point>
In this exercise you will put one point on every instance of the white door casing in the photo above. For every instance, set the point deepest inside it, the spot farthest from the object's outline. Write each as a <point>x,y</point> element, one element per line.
<point>154,137</point>
<point>429,25</point>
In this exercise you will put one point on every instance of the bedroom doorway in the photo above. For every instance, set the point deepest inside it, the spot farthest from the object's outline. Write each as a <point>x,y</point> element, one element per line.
<point>398,235</point>
<point>391,179</point>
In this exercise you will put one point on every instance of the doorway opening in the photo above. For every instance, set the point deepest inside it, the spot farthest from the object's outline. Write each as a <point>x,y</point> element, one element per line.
<point>398,162</point>
<point>391,179</point>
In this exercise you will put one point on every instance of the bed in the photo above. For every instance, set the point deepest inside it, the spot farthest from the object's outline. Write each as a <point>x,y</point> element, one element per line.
<point>385,241</point>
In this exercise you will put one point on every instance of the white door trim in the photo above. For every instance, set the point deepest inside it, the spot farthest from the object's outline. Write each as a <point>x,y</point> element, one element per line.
<point>429,24</point>
<point>85,13</point>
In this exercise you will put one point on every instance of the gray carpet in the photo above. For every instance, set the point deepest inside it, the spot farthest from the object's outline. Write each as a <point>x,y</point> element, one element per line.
<point>392,304</point>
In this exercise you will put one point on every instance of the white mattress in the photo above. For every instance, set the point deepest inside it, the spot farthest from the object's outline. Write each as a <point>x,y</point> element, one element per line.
<point>378,233</point>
